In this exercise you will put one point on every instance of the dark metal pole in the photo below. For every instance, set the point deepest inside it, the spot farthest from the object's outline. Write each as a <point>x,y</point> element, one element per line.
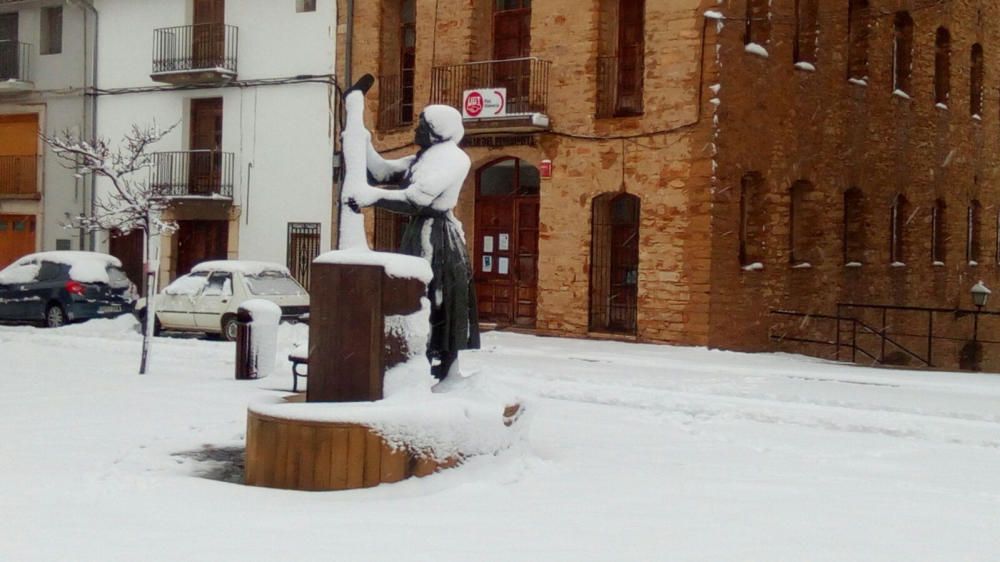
<point>975,324</point>
<point>882,357</point>
<point>930,337</point>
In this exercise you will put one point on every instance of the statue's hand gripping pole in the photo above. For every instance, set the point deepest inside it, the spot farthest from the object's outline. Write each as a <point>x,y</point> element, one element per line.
<point>355,140</point>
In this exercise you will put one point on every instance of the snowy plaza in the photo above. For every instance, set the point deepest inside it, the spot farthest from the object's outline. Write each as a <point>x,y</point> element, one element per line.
<point>629,452</point>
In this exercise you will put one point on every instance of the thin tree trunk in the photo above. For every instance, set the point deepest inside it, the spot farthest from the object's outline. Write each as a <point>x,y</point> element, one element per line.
<point>149,270</point>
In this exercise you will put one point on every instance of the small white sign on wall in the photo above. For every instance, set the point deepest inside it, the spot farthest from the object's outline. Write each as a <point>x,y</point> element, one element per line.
<point>503,266</point>
<point>504,242</point>
<point>487,263</point>
<point>487,244</point>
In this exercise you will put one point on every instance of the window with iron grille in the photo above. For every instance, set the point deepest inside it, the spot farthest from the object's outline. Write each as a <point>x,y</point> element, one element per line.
<point>303,247</point>
<point>614,270</point>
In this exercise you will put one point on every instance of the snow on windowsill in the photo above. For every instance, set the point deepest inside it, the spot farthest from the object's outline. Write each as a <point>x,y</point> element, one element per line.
<point>897,264</point>
<point>714,15</point>
<point>755,266</point>
<point>977,117</point>
<point>805,66</point>
<point>756,49</point>
<point>938,264</point>
<point>802,265</point>
<point>853,264</point>
<point>940,105</point>
<point>973,263</point>
<point>901,94</point>
<point>858,81</point>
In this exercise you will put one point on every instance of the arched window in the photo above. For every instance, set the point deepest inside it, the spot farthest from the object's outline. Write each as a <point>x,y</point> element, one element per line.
<point>751,193</point>
<point>758,22</point>
<point>942,66</point>
<point>802,223</point>
<point>614,263</point>
<point>854,227</point>
<point>976,71</point>
<point>902,52</point>
<point>939,233</point>
<point>806,30</point>
<point>858,30</point>
<point>899,217</point>
<point>974,236</point>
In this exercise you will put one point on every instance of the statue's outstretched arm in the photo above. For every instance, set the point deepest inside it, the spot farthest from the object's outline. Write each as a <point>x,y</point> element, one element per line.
<point>382,171</point>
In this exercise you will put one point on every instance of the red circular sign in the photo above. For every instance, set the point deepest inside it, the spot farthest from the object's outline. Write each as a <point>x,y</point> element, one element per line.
<point>474,104</point>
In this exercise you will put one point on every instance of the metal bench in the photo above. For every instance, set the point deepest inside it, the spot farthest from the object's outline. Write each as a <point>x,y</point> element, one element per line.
<point>299,356</point>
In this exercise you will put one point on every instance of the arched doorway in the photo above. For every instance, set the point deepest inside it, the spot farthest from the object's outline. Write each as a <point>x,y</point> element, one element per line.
<point>506,242</point>
<point>614,263</point>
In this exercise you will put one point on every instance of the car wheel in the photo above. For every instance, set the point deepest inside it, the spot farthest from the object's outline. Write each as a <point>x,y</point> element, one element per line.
<point>229,327</point>
<point>55,316</point>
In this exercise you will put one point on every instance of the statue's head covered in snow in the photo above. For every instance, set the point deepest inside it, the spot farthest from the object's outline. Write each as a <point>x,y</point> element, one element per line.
<point>439,123</point>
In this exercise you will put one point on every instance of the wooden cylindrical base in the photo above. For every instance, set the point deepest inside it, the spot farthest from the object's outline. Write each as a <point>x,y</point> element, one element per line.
<point>311,455</point>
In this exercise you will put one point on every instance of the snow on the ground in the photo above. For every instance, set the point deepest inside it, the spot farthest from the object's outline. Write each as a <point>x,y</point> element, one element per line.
<point>634,452</point>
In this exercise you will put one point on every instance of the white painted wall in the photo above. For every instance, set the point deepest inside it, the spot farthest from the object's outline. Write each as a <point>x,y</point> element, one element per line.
<point>283,133</point>
<point>59,100</point>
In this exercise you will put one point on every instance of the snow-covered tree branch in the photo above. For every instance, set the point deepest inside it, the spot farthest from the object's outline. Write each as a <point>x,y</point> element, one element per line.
<point>130,202</point>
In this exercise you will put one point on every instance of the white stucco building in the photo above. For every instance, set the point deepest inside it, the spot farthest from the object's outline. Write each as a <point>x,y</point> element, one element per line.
<point>46,68</point>
<point>250,86</point>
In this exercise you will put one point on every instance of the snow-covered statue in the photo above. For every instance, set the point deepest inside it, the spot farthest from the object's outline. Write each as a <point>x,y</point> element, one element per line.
<point>426,187</point>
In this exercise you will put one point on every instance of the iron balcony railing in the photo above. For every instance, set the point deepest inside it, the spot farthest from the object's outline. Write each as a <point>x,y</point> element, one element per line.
<point>395,102</point>
<point>187,48</point>
<point>619,85</point>
<point>526,81</point>
<point>193,173</point>
<point>18,175</point>
<point>14,61</point>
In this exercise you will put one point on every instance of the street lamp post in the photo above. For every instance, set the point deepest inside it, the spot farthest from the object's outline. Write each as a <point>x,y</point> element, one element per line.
<point>980,294</point>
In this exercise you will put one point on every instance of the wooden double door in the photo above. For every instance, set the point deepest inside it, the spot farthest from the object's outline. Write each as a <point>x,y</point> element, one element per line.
<point>200,240</point>
<point>506,244</point>
<point>17,237</point>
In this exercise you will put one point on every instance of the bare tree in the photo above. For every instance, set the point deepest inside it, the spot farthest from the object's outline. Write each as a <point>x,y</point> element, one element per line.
<point>130,202</point>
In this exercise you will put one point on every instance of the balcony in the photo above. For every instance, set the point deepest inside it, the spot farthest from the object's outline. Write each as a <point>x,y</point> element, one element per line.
<point>19,177</point>
<point>196,174</point>
<point>195,54</point>
<point>525,81</point>
<point>14,67</point>
<point>395,103</point>
<point>619,85</point>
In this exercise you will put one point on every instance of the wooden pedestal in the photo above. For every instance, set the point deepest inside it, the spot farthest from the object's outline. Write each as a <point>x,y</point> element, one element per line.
<point>349,350</point>
<point>311,455</point>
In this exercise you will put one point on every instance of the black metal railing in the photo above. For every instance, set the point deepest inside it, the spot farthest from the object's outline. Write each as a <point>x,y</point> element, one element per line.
<point>18,175</point>
<point>14,61</point>
<point>186,48</point>
<point>525,79</point>
<point>193,173</point>
<point>619,85</point>
<point>395,102</point>
<point>890,334</point>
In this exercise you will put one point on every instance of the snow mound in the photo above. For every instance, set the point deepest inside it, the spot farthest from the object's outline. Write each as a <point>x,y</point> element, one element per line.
<point>120,327</point>
<point>395,265</point>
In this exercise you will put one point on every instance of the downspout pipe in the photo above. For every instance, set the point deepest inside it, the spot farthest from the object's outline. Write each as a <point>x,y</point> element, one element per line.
<point>338,150</point>
<point>90,91</point>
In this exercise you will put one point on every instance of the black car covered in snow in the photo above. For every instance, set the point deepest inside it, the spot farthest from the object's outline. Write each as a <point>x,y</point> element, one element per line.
<point>54,288</point>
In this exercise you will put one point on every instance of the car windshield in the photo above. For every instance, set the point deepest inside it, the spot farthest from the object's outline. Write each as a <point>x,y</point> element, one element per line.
<point>273,283</point>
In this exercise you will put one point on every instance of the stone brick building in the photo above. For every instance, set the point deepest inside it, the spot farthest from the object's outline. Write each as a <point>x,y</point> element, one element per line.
<point>676,170</point>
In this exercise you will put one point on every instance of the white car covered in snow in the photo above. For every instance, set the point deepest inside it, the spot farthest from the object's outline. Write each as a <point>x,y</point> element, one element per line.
<point>206,300</point>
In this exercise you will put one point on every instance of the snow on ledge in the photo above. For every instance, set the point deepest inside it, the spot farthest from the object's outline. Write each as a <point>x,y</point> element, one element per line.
<point>395,265</point>
<point>756,49</point>
<point>901,94</point>
<point>806,66</point>
<point>938,264</point>
<point>853,264</point>
<point>755,266</point>
<point>858,81</point>
<point>714,15</point>
<point>897,264</point>
<point>802,265</point>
